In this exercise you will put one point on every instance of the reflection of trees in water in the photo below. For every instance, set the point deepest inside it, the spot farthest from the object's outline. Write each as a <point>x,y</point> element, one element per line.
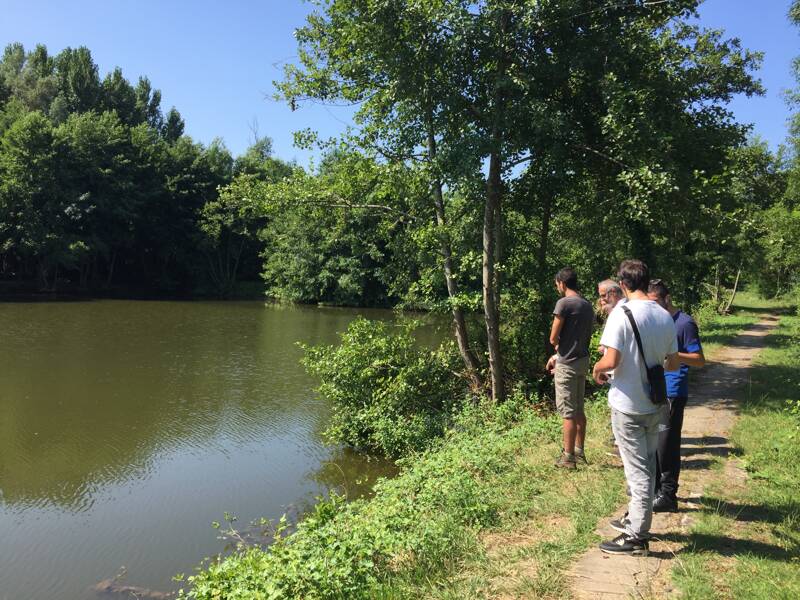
<point>95,393</point>
<point>352,474</point>
<point>346,473</point>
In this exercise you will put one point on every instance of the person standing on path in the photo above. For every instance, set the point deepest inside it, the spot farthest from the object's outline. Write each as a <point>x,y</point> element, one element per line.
<point>690,353</point>
<point>635,419</point>
<point>609,294</point>
<point>573,320</point>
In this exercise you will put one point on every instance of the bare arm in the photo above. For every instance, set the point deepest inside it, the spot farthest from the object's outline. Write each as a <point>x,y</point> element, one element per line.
<point>555,331</point>
<point>692,359</point>
<point>609,362</point>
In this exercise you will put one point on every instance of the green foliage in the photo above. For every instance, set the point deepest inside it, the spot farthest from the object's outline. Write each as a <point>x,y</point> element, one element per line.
<point>100,187</point>
<point>413,527</point>
<point>780,249</point>
<point>340,235</point>
<point>760,515</point>
<point>388,394</point>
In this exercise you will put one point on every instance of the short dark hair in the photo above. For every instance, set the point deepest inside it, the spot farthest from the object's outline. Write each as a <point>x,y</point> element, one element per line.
<point>568,277</point>
<point>659,288</point>
<point>634,275</point>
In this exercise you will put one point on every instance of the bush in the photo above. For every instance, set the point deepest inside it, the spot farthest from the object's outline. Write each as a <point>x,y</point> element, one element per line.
<point>416,525</point>
<point>389,396</point>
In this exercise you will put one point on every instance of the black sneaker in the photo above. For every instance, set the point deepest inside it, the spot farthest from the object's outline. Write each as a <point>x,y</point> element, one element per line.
<point>664,503</point>
<point>625,544</point>
<point>620,524</point>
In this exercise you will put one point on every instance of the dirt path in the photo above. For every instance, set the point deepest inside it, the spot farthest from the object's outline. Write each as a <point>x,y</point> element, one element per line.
<point>708,421</point>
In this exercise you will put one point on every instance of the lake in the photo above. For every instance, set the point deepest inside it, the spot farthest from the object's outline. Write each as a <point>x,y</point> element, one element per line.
<point>128,427</point>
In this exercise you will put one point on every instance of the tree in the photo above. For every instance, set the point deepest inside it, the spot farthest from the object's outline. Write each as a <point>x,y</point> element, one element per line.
<point>34,219</point>
<point>230,223</point>
<point>258,161</point>
<point>78,82</point>
<point>118,95</point>
<point>173,126</point>
<point>96,181</point>
<point>331,234</point>
<point>478,89</point>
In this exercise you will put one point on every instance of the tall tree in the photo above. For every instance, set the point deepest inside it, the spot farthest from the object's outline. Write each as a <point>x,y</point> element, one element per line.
<point>501,83</point>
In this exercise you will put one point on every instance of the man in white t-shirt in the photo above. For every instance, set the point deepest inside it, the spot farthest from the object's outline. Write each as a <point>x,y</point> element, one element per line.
<point>636,421</point>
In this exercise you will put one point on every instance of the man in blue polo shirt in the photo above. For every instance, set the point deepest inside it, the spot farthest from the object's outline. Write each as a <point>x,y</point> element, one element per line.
<point>690,353</point>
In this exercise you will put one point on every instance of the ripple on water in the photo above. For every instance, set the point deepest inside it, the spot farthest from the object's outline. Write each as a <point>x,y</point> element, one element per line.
<point>126,428</point>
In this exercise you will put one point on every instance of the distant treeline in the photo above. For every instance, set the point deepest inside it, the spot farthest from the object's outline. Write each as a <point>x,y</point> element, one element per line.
<point>101,188</point>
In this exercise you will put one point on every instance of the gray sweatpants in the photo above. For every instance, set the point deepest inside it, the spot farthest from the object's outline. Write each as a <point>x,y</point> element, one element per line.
<point>637,438</point>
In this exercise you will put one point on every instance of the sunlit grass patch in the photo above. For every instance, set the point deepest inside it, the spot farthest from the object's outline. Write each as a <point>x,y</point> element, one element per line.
<point>753,529</point>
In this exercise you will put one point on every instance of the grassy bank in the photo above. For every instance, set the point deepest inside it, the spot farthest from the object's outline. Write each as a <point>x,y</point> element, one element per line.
<point>447,527</point>
<point>484,513</point>
<point>745,541</point>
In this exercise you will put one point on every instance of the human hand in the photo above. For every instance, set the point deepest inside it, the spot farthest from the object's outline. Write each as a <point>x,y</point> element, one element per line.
<point>600,377</point>
<point>551,364</point>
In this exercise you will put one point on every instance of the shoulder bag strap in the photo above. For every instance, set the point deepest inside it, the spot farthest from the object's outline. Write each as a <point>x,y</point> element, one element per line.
<point>635,333</point>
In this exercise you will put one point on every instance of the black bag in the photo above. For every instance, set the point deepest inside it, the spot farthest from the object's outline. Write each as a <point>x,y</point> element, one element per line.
<point>655,375</point>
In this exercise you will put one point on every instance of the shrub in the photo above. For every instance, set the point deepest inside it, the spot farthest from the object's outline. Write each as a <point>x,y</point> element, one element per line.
<point>389,395</point>
<point>416,525</point>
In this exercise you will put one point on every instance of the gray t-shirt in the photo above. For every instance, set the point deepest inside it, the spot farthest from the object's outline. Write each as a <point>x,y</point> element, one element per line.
<point>576,331</point>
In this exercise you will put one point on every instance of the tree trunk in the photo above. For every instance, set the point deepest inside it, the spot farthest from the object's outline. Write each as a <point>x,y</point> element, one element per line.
<point>544,246</point>
<point>43,281</point>
<point>459,322</point>
<point>717,286</point>
<point>111,268</point>
<point>491,303</point>
<point>733,295</point>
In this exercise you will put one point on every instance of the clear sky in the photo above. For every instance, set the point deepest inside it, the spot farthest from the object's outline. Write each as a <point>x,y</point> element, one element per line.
<point>216,61</point>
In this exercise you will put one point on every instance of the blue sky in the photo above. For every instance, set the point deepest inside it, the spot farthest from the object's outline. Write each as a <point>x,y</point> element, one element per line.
<point>215,61</point>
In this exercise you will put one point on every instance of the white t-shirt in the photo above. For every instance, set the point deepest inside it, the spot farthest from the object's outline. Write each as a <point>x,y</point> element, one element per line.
<point>630,392</point>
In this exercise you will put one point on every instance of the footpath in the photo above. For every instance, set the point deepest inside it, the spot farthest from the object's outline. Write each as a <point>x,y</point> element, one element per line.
<point>708,421</point>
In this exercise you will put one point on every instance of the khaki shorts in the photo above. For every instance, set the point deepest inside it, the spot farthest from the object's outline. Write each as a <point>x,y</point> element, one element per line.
<point>570,383</point>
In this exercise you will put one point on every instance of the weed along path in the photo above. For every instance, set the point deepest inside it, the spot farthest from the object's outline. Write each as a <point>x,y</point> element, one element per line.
<point>708,421</point>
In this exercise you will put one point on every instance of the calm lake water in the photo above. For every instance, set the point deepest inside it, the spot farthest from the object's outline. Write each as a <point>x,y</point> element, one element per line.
<point>126,428</point>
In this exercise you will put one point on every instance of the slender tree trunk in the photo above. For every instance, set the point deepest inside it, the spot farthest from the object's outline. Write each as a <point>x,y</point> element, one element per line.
<point>459,322</point>
<point>735,287</point>
<point>235,269</point>
<point>544,246</point>
<point>717,286</point>
<point>111,268</point>
<point>491,304</point>
<point>43,275</point>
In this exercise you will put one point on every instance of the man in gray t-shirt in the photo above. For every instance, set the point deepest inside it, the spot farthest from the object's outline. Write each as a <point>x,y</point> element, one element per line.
<point>573,319</point>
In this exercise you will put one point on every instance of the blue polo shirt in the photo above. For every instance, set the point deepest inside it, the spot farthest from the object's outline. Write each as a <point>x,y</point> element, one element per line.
<point>688,341</point>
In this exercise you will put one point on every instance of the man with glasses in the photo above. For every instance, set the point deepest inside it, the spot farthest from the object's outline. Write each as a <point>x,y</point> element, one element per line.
<point>610,295</point>
<point>690,353</point>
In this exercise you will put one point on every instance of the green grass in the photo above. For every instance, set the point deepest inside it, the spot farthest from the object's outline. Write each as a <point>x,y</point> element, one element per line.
<point>482,512</point>
<point>716,331</point>
<point>485,514</point>
<point>745,542</point>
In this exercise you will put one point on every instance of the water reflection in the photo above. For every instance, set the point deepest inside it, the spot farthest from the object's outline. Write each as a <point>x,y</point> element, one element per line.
<point>126,428</point>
